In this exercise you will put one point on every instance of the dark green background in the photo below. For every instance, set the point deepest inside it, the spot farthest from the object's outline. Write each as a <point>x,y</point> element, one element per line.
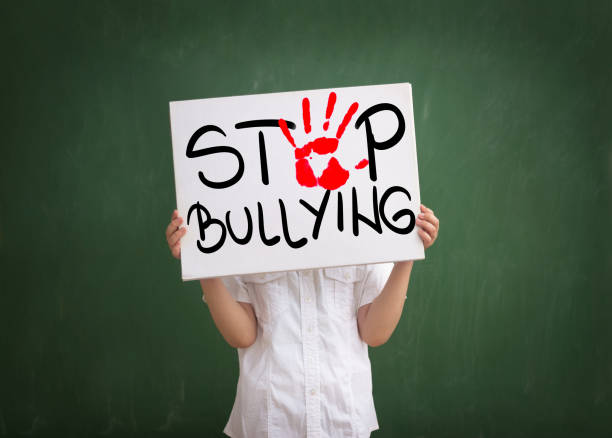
<point>507,329</point>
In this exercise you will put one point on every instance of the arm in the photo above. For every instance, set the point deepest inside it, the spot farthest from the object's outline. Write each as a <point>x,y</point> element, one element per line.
<point>377,320</point>
<point>235,320</point>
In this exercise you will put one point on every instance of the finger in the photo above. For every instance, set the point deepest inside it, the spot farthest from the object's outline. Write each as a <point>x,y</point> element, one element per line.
<point>176,250</point>
<point>427,226</point>
<point>426,209</point>
<point>174,213</point>
<point>174,224</point>
<point>426,238</point>
<point>176,236</point>
<point>429,217</point>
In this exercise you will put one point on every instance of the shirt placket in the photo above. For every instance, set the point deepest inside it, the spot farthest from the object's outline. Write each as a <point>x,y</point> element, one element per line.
<point>310,346</point>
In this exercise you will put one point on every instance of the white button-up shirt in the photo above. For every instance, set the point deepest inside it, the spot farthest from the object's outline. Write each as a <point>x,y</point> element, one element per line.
<point>308,373</point>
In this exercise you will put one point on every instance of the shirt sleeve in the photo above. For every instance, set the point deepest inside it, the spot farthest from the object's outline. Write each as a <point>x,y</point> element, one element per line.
<point>374,281</point>
<point>237,289</point>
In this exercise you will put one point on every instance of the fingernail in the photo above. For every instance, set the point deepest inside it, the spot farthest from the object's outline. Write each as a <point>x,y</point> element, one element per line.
<point>421,215</point>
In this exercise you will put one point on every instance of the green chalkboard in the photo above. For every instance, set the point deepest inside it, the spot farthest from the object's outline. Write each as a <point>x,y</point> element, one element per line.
<point>507,328</point>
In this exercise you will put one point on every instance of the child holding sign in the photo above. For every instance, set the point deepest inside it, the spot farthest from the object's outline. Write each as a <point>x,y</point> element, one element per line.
<point>302,340</point>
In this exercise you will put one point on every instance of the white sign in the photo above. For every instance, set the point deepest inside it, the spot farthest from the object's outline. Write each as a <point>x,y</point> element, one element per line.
<point>296,180</point>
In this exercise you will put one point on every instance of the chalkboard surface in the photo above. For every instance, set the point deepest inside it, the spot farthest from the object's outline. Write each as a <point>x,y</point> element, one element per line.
<point>507,328</point>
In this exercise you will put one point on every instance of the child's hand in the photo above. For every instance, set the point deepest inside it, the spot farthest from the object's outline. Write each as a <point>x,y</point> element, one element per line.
<point>428,226</point>
<point>174,234</point>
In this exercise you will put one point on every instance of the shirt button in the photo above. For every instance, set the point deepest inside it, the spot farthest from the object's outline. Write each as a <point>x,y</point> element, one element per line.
<point>346,276</point>
<point>309,329</point>
<point>313,392</point>
<point>308,299</point>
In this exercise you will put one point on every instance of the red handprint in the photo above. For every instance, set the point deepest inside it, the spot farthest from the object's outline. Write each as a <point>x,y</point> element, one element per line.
<point>334,175</point>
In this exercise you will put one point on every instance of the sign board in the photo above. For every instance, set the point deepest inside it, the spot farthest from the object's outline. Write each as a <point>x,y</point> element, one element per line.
<point>296,180</point>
